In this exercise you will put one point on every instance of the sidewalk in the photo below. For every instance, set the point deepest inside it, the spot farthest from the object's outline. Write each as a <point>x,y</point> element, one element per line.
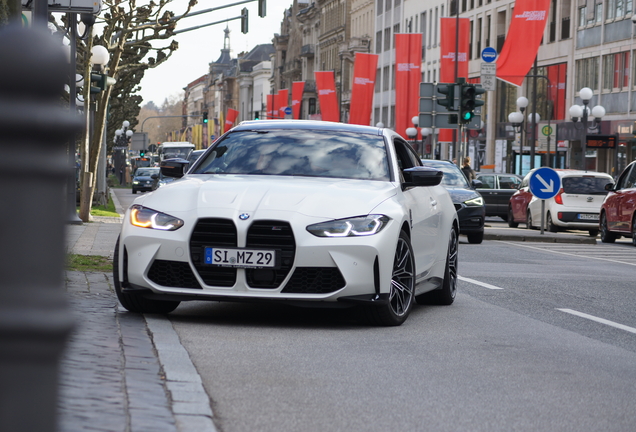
<point>122,371</point>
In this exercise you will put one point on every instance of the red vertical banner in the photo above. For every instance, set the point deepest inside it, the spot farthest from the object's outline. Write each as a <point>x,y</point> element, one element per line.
<point>276,106</point>
<point>270,106</point>
<point>283,102</point>
<point>230,118</point>
<point>364,71</point>
<point>448,29</point>
<point>408,61</point>
<point>297,96</point>
<point>522,43</point>
<point>326,85</point>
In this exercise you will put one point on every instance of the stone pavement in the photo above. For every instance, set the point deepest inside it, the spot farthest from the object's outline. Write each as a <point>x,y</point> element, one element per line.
<point>122,372</point>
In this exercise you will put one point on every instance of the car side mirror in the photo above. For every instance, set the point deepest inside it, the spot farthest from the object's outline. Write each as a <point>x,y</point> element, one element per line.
<point>476,183</point>
<point>609,187</point>
<point>421,176</point>
<point>176,167</point>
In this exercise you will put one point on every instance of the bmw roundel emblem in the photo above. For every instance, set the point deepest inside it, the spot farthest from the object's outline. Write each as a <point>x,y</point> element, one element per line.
<point>244,216</point>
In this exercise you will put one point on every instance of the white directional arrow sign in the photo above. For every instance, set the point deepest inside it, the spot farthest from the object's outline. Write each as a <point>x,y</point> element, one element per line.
<point>545,183</point>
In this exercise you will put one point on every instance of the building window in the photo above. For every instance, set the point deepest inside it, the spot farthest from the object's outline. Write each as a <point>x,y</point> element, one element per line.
<point>385,78</point>
<point>311,109</point>
<point>587,73</point>
<point>378,42</point>
<point>379,8</point>
<point>378,79</point>
<point>617,8</point>
<point>616,71</point>
<point>387,39</point>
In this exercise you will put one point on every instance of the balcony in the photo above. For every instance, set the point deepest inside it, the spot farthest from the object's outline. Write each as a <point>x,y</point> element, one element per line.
<point>307,50</point>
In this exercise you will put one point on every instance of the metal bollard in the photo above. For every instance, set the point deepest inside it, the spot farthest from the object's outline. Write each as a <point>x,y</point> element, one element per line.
<point>34,318</point>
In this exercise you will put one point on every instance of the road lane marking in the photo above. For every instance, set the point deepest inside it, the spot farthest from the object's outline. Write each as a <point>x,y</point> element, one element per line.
<point>599,320</point>
<point>615,261</point>
<point>484,284</point>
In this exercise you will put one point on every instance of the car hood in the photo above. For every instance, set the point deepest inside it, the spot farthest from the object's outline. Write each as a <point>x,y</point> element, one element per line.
<point>315,197</point>
<point>459,195</point>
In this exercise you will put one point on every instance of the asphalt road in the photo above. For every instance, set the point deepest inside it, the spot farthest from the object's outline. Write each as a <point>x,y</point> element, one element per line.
<point>497,360</point>
<point>542,336</point>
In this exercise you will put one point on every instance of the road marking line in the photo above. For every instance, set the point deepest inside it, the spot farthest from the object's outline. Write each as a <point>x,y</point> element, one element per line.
<point>571,254</point>
<point>599,320</point>
<point>473,281</point>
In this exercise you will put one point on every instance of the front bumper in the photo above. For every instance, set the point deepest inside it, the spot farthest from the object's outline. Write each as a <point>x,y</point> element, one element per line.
<point>471,218</point>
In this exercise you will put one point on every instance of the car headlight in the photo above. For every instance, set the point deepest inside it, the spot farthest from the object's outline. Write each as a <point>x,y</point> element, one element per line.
<point>135,182</point>
<point>148,218</point>
<point>350,227</point>
<point>475,202</point>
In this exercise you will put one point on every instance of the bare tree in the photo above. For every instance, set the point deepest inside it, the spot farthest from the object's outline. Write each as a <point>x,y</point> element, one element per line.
<point>128,32</point>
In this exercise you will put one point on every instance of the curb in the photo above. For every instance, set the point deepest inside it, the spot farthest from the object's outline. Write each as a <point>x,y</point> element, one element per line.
<point>540,239</point>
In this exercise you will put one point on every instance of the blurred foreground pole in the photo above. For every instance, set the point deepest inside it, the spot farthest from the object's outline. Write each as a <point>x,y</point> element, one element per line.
<point>34,319</point>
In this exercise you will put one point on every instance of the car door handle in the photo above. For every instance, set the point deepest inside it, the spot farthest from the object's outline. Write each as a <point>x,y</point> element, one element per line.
<point>433,202</point>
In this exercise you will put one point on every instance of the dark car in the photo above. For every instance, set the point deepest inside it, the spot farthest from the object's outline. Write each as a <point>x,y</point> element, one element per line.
<point>618,211</point>
<point>497,188</point>
<point>144,179</point>
<point>468,202</point>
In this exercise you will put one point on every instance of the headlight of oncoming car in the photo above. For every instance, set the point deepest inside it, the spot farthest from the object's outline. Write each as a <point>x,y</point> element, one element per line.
<point>475,202</point>
<point>350,227</point>
<point>148,218</point>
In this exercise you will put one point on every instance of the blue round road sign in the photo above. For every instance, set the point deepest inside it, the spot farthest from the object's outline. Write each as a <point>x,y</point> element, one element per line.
<point>545,183</point>
<point>288,110</point>
<point>489,54</point>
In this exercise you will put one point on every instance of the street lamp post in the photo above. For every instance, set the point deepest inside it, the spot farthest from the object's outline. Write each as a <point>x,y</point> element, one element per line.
<point>517,119</point>
<point>426,132</point>
<point>582,113</point>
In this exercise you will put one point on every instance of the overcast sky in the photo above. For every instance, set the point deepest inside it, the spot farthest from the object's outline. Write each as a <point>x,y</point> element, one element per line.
<point>197,48</point>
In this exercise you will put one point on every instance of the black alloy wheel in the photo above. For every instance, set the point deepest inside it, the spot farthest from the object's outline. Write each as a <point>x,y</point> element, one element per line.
<point>551,226</point>
<point>402,290</point>
<point>446,295</point>
<point>606,235</point>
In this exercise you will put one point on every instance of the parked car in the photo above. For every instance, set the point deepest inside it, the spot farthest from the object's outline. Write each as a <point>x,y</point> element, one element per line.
<point>194,156</point>
<point>496,189</point>
<point>144,179</point>
<point>618,211</point>
<point>302,212</point>
<point>468,202</point>
<point>576,205</point>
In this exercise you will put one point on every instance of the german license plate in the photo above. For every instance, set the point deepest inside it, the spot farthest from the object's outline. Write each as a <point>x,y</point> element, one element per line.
<point>588,216</point>
<point>239,257</point>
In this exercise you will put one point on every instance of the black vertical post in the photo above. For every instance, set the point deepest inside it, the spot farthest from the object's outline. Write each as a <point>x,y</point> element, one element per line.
<point>71,184</point>
<point>34,319</point>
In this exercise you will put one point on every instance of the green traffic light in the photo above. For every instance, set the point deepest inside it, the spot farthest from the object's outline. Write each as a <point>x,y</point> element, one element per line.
<point>467,116</point>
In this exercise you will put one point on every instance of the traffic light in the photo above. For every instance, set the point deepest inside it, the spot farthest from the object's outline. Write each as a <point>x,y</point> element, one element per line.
<point>99,82</point>
<point>244,22</point>
<point>468,101</point>
<point>205,117</point>
<point>262,8</point>
<point>449,100</point>
<point>142,152</point>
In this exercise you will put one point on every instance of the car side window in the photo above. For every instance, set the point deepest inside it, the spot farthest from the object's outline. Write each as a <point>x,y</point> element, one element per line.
<point>508,182</point>
<point>487,182</point>
<point>623,180</point>
<point>406,158</point>
<point>631,179</point>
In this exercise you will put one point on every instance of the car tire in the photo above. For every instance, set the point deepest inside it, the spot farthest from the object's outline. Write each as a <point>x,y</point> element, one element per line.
<point>593,232</point>
<point>446,295</point>
<point>475,238</point>
<point>606,235</point>
<point>134,191</point>
<point>511,219</point>
<point>135,303</point>
<point>634,231</point>
<point>529,220</point>
<point>402,290</point>
<point>551,226</point>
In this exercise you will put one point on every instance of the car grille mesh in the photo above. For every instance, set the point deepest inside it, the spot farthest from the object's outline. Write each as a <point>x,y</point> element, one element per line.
<point>213,232</point>
<point>173,274</point>
<point>268,234</point>
<point>315,280</point>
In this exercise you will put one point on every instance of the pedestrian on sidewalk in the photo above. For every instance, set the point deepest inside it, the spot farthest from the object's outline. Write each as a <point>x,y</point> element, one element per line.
<point>467,170</point>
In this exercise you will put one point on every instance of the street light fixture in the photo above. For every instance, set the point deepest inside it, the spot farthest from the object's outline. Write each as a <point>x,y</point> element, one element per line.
<point>518,119</point>
<point>583,113</point>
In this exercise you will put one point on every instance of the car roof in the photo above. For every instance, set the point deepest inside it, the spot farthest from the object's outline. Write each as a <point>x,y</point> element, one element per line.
<point>579,173</point>
<point>307,125</point>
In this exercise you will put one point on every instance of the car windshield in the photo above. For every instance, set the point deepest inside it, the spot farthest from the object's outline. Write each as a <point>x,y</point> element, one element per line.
<point>297,152</point>
<point>453,177</point>
<point>587,185</point>
<point>146,172</point>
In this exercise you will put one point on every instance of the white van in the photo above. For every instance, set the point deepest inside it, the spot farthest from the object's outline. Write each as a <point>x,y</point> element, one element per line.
<point>177,149</point>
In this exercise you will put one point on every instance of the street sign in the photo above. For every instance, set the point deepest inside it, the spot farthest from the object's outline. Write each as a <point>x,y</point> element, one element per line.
<point>439,120</point>
<point>489,76</point>
<point>545,183</point>
<point>489,54</point>
<point>288,110</point>
<point>72,6</point>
